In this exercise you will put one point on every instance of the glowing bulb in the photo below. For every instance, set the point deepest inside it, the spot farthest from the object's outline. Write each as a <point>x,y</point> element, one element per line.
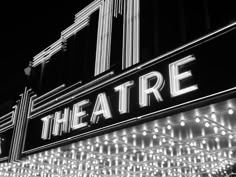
<point>163,140</point>
<point>216,129</point>
<point>223,133</point>
<point>230,111</point>
<point>230,136</point>
<point>134,136</point>
<point>182,123</point>
<point>197,119</point>
<point>144,133</point>
<point>207,124</point>
<point>169,127</point>
<point>154,136</point>
<point>213,116</point>
<point>156,129</point>
<point>203,141</point>
<point>115,140</point>
<point>217,139</point>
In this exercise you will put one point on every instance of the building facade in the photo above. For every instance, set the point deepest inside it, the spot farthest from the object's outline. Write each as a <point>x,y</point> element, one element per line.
<point>132,88</point>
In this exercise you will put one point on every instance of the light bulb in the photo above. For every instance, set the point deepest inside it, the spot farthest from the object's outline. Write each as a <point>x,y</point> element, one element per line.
<point>216,129</point>
<point>213,116</point>
<point>169,127</point>
<point>197,119</point>
<point>230,111</point>
<point>223,133</point>
<point>182,123</point>
<point>207,124</point>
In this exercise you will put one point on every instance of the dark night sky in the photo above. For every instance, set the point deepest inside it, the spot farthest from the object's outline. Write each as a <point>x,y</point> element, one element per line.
<point>27,29</point>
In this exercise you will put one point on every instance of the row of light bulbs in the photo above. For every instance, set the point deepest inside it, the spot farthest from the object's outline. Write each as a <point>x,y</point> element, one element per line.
<point>160,154</point>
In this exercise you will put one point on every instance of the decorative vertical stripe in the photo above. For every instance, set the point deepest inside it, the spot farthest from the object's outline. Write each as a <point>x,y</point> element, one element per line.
<point>124,37</point>
<point>118,8</point>
<point>102,62</point>
<point>107,10</point>
<point>131,34</point>
<point>99,40</point>
<point>19,129</point>
<point>136,16</point>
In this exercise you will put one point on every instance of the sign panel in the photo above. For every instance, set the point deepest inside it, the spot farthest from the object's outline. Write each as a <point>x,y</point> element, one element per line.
<point>193,73</point>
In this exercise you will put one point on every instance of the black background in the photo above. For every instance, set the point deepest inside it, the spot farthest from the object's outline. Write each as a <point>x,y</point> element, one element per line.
<point>26,29</point>
<point>29,27</point>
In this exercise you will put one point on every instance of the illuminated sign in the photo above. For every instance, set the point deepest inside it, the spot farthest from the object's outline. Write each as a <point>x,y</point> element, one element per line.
<point>150,85</point>
<point>186,76</point>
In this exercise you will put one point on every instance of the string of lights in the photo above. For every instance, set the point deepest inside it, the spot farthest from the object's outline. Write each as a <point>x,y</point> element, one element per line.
<point>200,142</point>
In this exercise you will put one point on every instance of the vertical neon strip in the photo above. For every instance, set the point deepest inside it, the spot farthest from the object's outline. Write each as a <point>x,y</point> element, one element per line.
<point>109,36</point>
<point>19,126</point>
<point>120,7</point>
<point>116,8</point>
<point>136,40</point>
<point>99,39</point>
<point>131,33</point>
<point>102,62</point>
<point>104,41</point>
<point>124,36</point>
<point>14,136</point>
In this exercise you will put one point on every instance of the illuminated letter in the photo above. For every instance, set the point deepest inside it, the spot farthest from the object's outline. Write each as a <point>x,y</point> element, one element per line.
<point>101,107</point>
<point>124,98</point>
<point>176,77</point>
<point>145,90</point>
<point>61,122</point>
<point>46,130</point>
<point>78,115</point>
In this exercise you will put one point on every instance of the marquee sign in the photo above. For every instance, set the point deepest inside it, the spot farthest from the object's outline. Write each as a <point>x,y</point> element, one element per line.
<point>193,73</point>
<point>79,116</point>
